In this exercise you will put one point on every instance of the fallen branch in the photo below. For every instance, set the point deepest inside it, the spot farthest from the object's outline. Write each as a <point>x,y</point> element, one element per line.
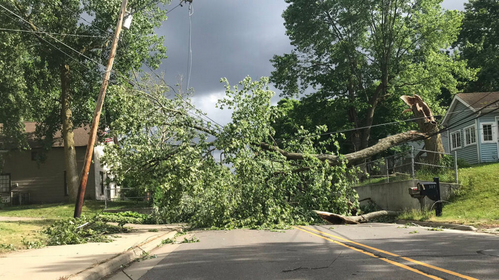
<point>336,219</point>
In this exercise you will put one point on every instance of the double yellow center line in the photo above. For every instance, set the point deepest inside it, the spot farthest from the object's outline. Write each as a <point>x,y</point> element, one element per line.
<point>345,243</point>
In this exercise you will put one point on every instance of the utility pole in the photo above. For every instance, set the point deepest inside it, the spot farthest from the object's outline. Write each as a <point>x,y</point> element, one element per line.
<point>98,108</point>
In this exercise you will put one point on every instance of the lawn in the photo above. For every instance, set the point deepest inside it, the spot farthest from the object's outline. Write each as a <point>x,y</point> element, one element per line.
<point>27,234</point>
<point>61,210</point>
<point>21,235</point>
<point>475,203</point>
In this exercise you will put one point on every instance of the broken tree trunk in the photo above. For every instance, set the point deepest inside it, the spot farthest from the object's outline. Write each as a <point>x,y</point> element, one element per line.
<point>427,125</point>
<point>336,219</point>
<point>355,157</point>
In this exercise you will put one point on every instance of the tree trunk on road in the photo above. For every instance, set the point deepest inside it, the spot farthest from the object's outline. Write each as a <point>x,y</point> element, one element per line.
<point>336,219</point>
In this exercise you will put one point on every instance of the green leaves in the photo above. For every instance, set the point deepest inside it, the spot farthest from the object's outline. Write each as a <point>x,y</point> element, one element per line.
<point>363,55</point>
<point>167,151</point>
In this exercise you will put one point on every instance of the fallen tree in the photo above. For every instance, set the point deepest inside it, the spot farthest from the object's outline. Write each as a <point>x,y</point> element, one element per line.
<point>257,182</point>
<point>355,157</point>
<point>337,219</point>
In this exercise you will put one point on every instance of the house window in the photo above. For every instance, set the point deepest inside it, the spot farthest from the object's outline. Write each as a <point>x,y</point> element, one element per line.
<point>487,133</point>
<point>469,135</point>
<point>455,140</point>
<point>5,183</point>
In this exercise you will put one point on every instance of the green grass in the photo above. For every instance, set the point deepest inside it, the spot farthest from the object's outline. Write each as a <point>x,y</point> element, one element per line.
<point>61,210</point>
<point>27,234</point>
<point>18,235</point>
<point>475,203</point>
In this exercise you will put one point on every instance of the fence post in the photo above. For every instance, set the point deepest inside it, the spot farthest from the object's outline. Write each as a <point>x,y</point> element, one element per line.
<point>455,167</point>
<point>105,198</point>
<point>387,173</point>
<point>412,163</point>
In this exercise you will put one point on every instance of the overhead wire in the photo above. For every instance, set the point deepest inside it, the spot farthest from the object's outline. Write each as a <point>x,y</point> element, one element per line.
<point>98,63</point>
<point>189,54</point>
<point>70,56</point>
<point>52,33</point>
<point>59,41</point>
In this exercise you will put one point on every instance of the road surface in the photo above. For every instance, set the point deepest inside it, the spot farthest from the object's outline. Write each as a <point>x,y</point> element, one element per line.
<point>366,251</point>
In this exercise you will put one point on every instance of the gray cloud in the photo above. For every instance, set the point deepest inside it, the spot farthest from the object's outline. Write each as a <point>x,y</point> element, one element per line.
<point>230,38</point>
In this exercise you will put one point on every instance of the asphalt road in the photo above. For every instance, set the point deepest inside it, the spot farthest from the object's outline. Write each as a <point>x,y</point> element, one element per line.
<point>367,251</point>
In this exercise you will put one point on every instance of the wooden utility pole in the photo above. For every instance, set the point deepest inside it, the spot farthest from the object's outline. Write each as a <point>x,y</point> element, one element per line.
<point>98,108</point>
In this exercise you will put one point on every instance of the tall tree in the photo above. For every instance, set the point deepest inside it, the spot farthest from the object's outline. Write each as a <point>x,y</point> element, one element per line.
<point>62,70</point>
<point>479,41</point>
<point>366,54</point>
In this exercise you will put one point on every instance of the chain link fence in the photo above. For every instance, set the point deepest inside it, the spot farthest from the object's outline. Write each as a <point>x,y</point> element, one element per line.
<point>405,166</point>
<point>118,195</point>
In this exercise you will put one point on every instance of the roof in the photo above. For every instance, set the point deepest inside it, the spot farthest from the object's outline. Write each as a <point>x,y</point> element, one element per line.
<point>478,100</point>
<point>475,101</point>
<point>81,136</point>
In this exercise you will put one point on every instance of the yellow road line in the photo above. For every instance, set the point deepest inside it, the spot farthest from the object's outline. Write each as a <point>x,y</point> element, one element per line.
<point>395,255</point>
<point>373,255</point>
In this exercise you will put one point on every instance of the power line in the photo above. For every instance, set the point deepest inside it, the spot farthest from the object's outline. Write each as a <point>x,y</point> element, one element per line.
<point>471,105</point>
<point>52,33</point>
<point>66,45</point>
<point>189,54</point>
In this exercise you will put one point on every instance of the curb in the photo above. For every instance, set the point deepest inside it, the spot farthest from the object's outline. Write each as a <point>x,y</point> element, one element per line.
<point>109,266</point>
<point>437,224</point>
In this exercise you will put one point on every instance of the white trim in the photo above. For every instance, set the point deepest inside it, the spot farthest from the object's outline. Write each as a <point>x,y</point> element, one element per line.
<point>497,134</point>
<point>458,132</point>
<point>465,134</point>
<point>492,131</point>
<point>478,147</point>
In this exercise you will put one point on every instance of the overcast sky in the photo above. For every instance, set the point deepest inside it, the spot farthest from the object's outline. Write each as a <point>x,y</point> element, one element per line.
<point>230,38</point>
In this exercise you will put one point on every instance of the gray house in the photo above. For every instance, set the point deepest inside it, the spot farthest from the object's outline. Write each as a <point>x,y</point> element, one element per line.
<point>472,127</point>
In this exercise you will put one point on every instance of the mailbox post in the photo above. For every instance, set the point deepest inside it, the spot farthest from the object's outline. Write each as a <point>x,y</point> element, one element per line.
<point>431,190</point>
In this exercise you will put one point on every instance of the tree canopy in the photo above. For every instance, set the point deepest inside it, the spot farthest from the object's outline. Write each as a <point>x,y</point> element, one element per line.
<point>363,55</point>
<point>479,41</point>
<point>167,149</point>
<point>56,77</point>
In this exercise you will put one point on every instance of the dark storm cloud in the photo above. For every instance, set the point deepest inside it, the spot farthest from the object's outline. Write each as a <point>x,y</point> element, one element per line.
<point>230,39</point>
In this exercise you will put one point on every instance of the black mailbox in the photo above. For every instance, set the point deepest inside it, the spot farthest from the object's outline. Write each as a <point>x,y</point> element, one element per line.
<point>431,190</point>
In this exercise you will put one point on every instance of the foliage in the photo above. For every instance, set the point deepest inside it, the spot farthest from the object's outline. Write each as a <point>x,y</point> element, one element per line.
<point>166,151</point>
<point>478,43</point>
<point>58,70</point>
<point>361,56</point>
<point>416,215</point>
<point>78,231</point>
<point>127,217</point>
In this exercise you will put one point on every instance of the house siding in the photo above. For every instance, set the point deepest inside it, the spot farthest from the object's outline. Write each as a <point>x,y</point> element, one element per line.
<point>44,181</point>
<point>488,151</point>
<point>468,153</point>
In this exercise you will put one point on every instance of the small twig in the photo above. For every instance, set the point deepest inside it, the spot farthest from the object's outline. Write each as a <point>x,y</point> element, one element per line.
<point>126,274</point>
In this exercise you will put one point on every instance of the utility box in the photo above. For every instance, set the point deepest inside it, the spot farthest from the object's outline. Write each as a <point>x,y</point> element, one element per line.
<point>430,190</point>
